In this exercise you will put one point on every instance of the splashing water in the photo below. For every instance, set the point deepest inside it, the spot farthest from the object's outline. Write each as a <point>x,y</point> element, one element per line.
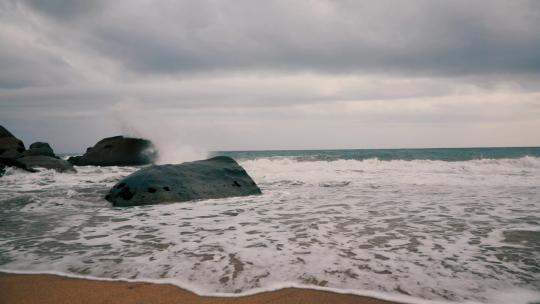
<point>137,120</point>
<point>438,230</point>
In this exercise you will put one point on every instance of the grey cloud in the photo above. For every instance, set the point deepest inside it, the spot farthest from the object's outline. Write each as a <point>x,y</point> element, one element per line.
<point>247,91</point>
<point>414,37</point>
<point>65,9</point>
<point>270,74</point>
<point>19,66</point>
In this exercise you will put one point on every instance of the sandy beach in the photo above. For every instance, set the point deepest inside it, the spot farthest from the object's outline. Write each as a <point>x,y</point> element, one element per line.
<point>24,288</point>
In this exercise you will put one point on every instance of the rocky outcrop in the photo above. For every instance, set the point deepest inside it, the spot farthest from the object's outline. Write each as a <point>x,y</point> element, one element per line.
<point>117,151</point>
<point>38,155</point>
<point>11,153</point>
<point>217,177</point>
<point>9,162</point>
<point>10,146</point>
<point>5,133</point>
<point>47,162</point>
<point>39,148</point>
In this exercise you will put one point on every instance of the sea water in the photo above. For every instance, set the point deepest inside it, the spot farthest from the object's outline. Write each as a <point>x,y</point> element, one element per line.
<point>416,225</point>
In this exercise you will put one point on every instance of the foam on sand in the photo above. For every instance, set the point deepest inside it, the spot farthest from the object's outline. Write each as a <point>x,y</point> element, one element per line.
<point>433,230</point>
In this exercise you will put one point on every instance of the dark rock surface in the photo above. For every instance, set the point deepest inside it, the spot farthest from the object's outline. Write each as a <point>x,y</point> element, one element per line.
<point>10,146</point>
<point>38,155</point>
<point>217,177</point>
<point>9,162</point>
<point>39,148</point>
<point>47,162</point>
<point>117,151</point>
<point>11,153</point>
<point>5,133</point>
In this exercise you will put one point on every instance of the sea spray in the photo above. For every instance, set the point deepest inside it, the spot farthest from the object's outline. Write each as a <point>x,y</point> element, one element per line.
<point>166,133</point>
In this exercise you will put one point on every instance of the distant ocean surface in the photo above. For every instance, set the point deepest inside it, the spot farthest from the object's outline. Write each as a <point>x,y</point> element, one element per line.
<point>416,225</point>
<point>444,154</point>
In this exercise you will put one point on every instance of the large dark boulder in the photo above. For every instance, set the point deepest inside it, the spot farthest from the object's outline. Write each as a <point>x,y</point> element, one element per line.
<point>117,151</point>
<point>5,133</point>
<point>11,143</point>
<point>39,155</point>
<point>10,146</point>
<point>11,153</point>
<point>217,177</point>
<point>39,148</point>
<point>47,162</point>
<point>9,162</point>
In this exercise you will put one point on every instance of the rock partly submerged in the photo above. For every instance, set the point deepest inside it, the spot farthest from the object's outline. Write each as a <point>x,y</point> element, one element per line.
<point>47,162</point>
<point>10,162</point>
<point>38,155</point>
<point>217,177</point>
<point>39,148</point>
<point>111,151</point>
<point>117,151</point>
<point>10,146</point>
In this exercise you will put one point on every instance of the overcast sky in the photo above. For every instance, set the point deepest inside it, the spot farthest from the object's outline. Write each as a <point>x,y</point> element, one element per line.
<point>272,74</point>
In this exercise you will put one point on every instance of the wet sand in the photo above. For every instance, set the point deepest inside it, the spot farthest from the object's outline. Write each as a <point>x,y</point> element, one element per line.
<point>31,288</point>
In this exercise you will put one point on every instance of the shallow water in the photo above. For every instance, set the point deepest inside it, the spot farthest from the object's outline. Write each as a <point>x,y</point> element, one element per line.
<point>430,229</point>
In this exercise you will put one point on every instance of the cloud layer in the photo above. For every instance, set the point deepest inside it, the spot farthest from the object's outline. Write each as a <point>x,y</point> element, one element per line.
<point>273,74</point>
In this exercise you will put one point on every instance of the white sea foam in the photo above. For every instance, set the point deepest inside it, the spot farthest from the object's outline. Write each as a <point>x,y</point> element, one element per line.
<point>137,119</point>
<point>404,230</point>
<point>521,298</point>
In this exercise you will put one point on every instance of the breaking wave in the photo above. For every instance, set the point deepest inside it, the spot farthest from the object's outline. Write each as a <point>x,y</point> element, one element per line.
<point>402,229</point>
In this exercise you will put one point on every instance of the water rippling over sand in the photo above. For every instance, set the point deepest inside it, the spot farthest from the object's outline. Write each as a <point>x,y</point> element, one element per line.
<point>435,230</point>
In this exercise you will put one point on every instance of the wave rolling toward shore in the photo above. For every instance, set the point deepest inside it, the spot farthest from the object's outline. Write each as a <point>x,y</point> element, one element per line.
<point>432,228</point>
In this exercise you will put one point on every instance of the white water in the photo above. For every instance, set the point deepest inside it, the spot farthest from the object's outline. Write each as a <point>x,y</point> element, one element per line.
<point>442,231</point>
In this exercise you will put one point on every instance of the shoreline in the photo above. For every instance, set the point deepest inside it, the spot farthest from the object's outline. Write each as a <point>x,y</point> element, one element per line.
<point>49,288</point>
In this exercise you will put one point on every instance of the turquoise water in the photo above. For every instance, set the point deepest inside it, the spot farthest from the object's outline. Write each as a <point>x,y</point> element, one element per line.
<point>444,154</point>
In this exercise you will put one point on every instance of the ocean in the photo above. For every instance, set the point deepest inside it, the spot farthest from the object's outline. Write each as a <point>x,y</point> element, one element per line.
<point>414,225</point>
